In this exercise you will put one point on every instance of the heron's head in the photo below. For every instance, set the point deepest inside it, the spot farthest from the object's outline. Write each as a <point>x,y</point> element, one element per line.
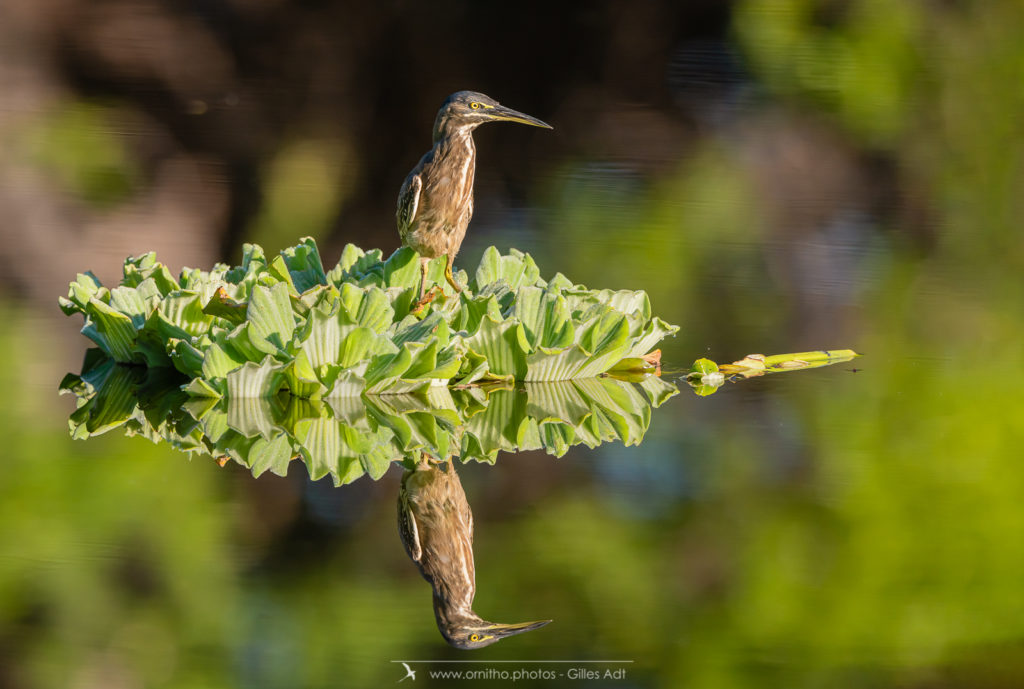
<point>479,633</point>
<point>469,109</point>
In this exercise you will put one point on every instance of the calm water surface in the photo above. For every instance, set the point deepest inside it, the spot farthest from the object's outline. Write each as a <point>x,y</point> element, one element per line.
<point>798,528</point>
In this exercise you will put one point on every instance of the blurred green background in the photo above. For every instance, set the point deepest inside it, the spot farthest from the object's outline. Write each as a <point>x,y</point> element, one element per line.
<point>780,175</point>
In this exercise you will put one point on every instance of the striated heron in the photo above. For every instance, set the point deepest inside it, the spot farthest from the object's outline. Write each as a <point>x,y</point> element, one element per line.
<point>436,527</point>
<point>436,200</point>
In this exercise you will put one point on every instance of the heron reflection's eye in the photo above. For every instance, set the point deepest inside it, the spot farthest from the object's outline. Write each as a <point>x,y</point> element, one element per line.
<point>474,637</point>
<point>475,106</point>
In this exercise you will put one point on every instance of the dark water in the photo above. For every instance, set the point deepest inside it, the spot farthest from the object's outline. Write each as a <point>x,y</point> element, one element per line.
<point>802,176</point>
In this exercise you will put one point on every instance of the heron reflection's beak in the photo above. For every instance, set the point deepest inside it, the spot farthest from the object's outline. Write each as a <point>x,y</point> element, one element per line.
<point>502,630</point>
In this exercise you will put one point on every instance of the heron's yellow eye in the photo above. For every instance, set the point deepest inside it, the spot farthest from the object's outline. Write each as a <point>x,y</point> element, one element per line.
<point>475,106</point>
<point>474,637</point>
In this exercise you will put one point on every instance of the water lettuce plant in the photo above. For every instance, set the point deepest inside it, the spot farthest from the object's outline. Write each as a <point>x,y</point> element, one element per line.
<point>705,376</point>
<point>287,324</point>
<point>347,437</point>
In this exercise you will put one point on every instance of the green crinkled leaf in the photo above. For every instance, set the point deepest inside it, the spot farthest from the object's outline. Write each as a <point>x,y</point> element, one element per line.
<point>362,343</point>
<point>545,317</point>
<point>474,309</point>
<point>321,341</point>
<point>253,381</point>
<point>203,389</point>
<point>145,267</point>
<point>222,305</point>
<point>514,269</point>
<point>239,344</point>
<point>180,316</point>
<point>472,367</point>
<point>652,332</point>
<point>113,404</point>
<point>627,302</point>
<point>113,331</point>
<point>186,358</point>
<point>557,438</point>
<point>301,380</point>
<point>220,359</point>
<point>424,360</point>
<point>387,367</point>
<point>658,391</point>
<point>133,302</point>
<point>349,256</point>
<point>253,260</point>
<point>321,445</point>
<point>501,344</point>
<point>272,455</point>
<point>85,287</point>
<point>203,283</point>
<point>402,269</point>
<point>433,328</point>
<point>250,416</point>
<point>346,383</point>
<point>355,264</point>
<point>95,368</point>
<point>555,364</point>
<point>271,323</point>
<point>301,266</point>
<point>559,401</point>
<point>376,462</point>
<point>369,307</point>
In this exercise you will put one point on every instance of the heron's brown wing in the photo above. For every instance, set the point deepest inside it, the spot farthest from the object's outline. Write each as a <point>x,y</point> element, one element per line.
<point>407,529</point>
<point>408,201</point>
<point>467,519</point>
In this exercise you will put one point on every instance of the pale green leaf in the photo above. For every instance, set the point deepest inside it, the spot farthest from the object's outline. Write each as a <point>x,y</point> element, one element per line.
<point>113,331</point>
<point>270,318</point>
<point>254,381</point>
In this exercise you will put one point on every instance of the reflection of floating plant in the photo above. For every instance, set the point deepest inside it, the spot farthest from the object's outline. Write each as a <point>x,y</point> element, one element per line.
<point>266,326</point>
<point>345,437</point>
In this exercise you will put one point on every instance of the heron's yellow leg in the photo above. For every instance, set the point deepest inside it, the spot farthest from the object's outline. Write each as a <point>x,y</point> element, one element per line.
<point>426,296</point>
<point>448,273</point>
<point>424,263</point>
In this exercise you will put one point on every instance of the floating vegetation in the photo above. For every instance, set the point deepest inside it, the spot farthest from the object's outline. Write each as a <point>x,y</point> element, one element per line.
<point>347,437</point>
<point>286,324</point>
<point>276,360</point>
<point>705,376</point>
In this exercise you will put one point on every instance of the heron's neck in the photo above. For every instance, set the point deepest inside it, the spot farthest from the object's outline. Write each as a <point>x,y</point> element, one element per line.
<point>451,615</point>
<point>456,152</point>
<point>448,130</point>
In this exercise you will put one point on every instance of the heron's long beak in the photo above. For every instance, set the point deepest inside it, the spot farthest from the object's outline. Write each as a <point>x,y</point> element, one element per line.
<point>502,630</point>
<point>500,112</point>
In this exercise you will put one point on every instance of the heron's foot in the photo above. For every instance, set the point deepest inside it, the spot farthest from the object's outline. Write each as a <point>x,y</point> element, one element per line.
<point>451,281</point>
<point>448,274</point>
<point>425,300</point>
<point>428,461</point>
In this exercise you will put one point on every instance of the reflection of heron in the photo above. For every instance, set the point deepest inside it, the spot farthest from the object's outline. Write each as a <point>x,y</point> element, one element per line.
<point>436,526</point>
<point>409,673</point>
<point>436,200</point>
